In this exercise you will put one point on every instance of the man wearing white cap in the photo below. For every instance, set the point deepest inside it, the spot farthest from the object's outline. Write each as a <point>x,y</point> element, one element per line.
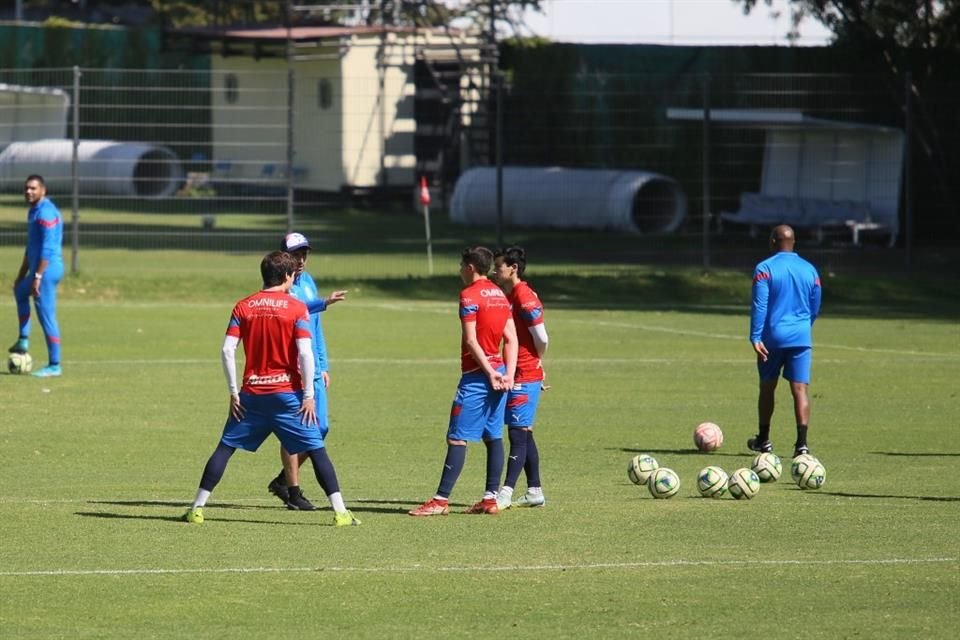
<point>286,485</point>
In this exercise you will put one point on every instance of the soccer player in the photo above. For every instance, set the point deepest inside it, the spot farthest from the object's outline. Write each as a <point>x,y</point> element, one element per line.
<point>275,397</point>
<point>286,485</point>
<point>523,398</point>
<point>40,272</point>
<point>477,411</point>
<point>786,302</point>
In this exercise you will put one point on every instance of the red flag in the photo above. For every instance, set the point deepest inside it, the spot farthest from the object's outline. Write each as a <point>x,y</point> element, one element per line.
<point>424,191</point>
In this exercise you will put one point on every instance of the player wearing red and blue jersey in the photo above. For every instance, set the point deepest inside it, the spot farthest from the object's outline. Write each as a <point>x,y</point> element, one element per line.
<point>276,392</point>
<point>40,272</point>
<point>286,484</point>
<point>786,302</point>
<point>486,375</point>
<point>524,397</point>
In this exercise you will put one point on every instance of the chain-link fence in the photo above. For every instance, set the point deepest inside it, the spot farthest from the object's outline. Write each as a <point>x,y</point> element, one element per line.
<point>216,159</point>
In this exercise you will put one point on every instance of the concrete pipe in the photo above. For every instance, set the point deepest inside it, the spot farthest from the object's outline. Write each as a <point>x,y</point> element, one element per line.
<point>104,167</point>
<point>631,201</point>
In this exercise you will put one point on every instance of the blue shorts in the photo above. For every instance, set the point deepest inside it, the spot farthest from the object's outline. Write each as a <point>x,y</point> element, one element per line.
<point>477,411</point>
<point>522,402</point>
<point>271,413</point>
<point>320,396</point>
<point>795,362</point>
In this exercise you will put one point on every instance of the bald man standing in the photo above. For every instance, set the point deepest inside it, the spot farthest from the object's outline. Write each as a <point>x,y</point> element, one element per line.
<point>786,302</point>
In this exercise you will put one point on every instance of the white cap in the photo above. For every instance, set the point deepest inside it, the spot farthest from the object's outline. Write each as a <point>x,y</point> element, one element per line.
<point>295,242</point>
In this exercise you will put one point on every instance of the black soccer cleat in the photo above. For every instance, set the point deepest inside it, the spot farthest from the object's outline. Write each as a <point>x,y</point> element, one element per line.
<point>298,502</point>
<point>279,489</point>
<point>800,450</point>
<point>761,446</point>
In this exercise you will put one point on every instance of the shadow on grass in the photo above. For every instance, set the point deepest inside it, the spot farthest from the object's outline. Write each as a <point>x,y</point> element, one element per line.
<point>917,455</point>
<point>126,516</point>
<point>181,505</point>
<point>843,494</point>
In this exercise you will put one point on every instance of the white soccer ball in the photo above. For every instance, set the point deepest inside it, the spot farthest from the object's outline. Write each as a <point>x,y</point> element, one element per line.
<point>707,436</point>
<point>799,464</point>
<point>641,467</point>
<point>743,484</point>
<point>768,467</point>
<point>19,363</point>
<point>809,473</point>
<point>712,482</point>
<point>663,483</point>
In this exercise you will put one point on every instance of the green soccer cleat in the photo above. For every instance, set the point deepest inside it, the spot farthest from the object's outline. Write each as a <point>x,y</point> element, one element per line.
<point>504,501</point>
<point>530,500</point>
<point>193,516</point>
<point>345,519</point>
<point>22,345</point>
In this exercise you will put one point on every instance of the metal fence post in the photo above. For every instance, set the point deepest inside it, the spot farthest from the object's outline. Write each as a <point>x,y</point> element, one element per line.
<point>75,176</point>
<point>499,143</point>
<point>290,96</point>
<point>706,172</point>
<point>907,153</point>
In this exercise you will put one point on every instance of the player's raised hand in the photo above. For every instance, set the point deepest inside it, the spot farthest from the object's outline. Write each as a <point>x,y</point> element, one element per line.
<point>236,409</point>
<point>336,296</point>
<point>308,412</point>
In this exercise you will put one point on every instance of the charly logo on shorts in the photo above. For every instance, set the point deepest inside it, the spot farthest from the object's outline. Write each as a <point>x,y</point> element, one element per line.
<point>274,379</point>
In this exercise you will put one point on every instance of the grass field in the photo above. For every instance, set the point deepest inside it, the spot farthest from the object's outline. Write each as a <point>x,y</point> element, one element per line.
<point>99,465</point>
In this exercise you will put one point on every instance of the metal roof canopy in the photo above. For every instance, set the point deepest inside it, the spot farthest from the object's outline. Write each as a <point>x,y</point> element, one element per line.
<point>773,119</point>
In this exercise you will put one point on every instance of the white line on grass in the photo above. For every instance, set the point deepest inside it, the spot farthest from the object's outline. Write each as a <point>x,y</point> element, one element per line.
<point>465,569</point>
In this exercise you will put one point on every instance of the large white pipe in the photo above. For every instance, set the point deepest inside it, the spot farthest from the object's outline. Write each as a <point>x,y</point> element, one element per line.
<point>104,167</point>
<point>632,201</point>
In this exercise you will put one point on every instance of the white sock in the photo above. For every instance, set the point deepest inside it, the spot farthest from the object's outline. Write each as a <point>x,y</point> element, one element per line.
<point>336,501</point>
<point>506,492</point>
<point>202,496</point>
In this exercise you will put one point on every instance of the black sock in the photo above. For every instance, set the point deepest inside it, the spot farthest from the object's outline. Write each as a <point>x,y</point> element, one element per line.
<point>323,469</point>
<point>532,466</point>
<point>518,456</point>
<point>494,464</point>
<point>763,433</point>
<point>452,466</point>
<point>801,436</point>
<point>294,492</point>
<point>216,465</point>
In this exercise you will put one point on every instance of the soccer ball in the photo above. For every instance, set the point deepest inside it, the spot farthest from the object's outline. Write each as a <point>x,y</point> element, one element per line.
<point>809,473</point>
<point>19,363</point>
<point>712,482</point>
<point>768,467</point>
<point>799,465</point>
<point>743,484</point>
<point>663,483</point>
<point>641,467</point>
<point>707,436</point>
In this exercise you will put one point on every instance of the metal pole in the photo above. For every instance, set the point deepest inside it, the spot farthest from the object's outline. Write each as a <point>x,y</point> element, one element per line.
<point>290,96</point>
<point>499,143</point>
<point>75,177</point>
<point>426,222</point>
<point>907,182</point>
<point>706,172</point>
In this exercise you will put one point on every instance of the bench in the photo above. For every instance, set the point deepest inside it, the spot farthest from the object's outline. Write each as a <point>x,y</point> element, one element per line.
<point>762,210</point>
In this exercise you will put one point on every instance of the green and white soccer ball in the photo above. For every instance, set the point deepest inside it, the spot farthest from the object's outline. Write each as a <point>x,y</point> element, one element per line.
<point>712,482</point>
<point>743,484</point>
<point>663,483</point>
<point>799,465</point>
<point>19,363</point>
<point>808,473</point>
<point>641,467</point>
<point>767,466</point>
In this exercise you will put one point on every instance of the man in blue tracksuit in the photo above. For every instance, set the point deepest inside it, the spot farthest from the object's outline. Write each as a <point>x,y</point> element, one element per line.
<point>786,302</point>
<point>40,273</point>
